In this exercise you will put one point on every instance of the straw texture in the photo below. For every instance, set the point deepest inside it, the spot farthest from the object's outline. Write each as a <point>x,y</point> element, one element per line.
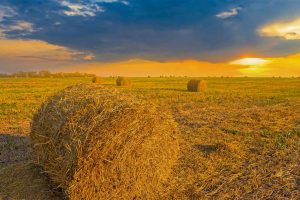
<point>197,85</point>
<point>123,81</point>
<point>95,143</point>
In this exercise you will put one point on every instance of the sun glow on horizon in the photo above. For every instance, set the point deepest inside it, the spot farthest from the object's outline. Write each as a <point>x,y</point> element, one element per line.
<point>254,66</point>
<point>250,61</point>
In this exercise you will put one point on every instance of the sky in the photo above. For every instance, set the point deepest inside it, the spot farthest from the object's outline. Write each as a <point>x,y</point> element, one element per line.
<point>151,37</point>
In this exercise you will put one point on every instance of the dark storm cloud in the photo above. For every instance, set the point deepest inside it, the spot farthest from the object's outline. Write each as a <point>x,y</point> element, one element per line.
<point>154,29</point>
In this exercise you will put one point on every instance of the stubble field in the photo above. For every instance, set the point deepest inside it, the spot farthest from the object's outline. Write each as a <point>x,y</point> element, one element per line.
<point>239,140</point>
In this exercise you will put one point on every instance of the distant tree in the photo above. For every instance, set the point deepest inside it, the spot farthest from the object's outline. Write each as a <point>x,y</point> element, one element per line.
<point>33,74</point>
<point>4,75</point>
<point>46,74</point>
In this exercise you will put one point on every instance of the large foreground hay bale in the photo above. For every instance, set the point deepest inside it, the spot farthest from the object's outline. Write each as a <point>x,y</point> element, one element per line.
<point>123,81</point>
<point>96,143</point>
<point>197,85</point>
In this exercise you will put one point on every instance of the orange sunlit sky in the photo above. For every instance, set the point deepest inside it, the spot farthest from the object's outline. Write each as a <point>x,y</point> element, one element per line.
<point>159,37</point>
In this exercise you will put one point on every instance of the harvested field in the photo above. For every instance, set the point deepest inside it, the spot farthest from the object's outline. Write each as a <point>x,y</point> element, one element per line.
<point>241,140</point>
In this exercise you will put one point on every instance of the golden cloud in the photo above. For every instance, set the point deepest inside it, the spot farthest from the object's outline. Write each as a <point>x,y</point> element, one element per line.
<point>34,55</point>
<point>34,49</point>
<point>289,30</point>
<point>89,57</point>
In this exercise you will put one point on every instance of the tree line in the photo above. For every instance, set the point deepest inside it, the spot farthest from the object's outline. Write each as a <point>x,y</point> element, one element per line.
<point>46,74</point>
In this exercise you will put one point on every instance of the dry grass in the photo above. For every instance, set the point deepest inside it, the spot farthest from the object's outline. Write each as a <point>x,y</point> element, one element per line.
<point>239,141</point>
<point>13,149</point>
<point>197,85</point>
<point>123,81</point>
<point>238,153</point>
<point>95,143</point>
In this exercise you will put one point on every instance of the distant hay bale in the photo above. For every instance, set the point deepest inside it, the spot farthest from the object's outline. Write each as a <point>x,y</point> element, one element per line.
<point>97,79</point>
<point>197,85</point>
<point>123,81</point>
<point>96,143</point>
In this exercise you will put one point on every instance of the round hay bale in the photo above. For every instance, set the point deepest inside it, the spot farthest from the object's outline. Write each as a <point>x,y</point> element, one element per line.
<point>97,79</point>
<point>197,85</point>
<point>95,143</point>
<point>122,81</point>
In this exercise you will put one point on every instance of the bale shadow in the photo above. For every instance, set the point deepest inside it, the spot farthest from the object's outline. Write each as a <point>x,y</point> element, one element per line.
<point>19,177</point>
<point>25,181</point>
<point>175,89</point>
<point>207,149</point>
<point>14,149</point>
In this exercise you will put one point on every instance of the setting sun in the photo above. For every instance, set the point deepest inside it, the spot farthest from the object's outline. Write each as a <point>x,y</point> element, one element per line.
<point>250,61</point>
